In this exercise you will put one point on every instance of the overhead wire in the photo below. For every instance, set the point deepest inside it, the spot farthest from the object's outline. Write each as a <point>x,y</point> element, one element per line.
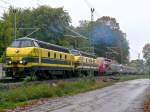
<point>75,32</point>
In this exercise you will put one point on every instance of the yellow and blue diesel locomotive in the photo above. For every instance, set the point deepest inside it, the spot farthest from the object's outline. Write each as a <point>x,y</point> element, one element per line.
<point>26,55</point>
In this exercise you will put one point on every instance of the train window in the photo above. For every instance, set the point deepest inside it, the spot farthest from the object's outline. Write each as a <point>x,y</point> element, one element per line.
<point>54,55</point>
<point>22,43</point>
<point>90,60</point>
<point>48,54</point>
<point>16,44</point>
<point>65,57</point>
<point>60,56</point>
<point>27,43</point>
<point>36,44</point>
<point>86,60</point>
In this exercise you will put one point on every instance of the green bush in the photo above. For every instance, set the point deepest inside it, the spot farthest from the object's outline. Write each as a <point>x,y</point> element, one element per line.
<point>2,57</point>
<point>29,78</point>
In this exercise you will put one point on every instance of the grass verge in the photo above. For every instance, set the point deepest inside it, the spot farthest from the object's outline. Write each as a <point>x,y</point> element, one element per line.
<point>14,97</point>
<point>20,96</point>
<point>132,77</point>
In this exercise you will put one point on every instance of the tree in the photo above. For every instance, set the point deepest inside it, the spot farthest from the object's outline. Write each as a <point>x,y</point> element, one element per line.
<point>6,30</point>
<point>146,54</point>
<point>51,21</point>
<point>105,34</point>
<point>146,51</point>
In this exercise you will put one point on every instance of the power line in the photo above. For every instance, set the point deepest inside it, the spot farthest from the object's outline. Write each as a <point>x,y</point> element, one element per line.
<point>34,30</point>
<point>27,28</point>
<point>88,4</point>
<point>68,28</point>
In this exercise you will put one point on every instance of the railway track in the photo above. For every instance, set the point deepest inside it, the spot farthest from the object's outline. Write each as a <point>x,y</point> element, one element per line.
<point>9,83</point>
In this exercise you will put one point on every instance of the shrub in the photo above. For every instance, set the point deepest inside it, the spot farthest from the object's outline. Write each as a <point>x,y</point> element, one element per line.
<point>29,78</point>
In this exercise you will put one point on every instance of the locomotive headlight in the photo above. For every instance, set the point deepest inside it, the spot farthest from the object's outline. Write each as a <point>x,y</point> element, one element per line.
<point>9,62</point>
<point>24,62</point>
<point>21,62</point>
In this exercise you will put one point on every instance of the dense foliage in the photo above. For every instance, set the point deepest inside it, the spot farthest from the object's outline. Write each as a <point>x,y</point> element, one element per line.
<point>146,54</point>
<point>140,65</point>
<point>107,38</point>
<point>53,24</point>
<point>50,21</point>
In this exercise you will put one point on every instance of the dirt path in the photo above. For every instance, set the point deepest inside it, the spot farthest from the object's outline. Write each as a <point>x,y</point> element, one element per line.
<point>122,97</point>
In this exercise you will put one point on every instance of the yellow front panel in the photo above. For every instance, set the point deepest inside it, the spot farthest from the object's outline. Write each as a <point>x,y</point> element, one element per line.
<point>20,52</point>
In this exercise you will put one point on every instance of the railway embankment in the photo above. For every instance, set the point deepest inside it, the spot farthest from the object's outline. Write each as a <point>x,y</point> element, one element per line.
<point>27,95</point>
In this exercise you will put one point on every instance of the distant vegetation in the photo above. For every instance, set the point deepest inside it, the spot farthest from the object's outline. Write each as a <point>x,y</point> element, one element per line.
<point>107,37</point>
<point>146,55</point>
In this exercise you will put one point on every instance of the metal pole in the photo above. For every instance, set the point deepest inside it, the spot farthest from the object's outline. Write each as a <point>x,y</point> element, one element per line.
<point>121,52</point>
<point>14,11</point>
<point>90,40</point>
<point>92,19</point>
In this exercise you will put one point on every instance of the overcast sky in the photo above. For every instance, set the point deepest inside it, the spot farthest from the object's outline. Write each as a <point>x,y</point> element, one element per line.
<point>133,15</point>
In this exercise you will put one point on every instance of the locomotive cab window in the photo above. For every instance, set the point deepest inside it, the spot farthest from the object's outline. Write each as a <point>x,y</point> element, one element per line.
<point>22,43</point>
<point>27,43</point>
<point>15,44</point>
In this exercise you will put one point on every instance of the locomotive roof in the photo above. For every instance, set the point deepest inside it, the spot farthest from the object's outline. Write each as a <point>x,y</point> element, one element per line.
<point>47,45</point>
<point>84,53</point>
